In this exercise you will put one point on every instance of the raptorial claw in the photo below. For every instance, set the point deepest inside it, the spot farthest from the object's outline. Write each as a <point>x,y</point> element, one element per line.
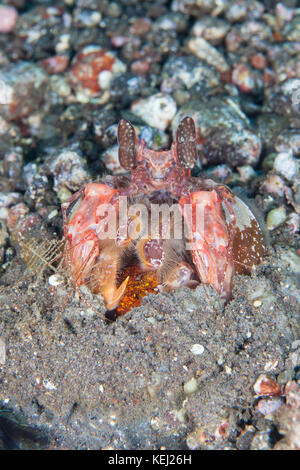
<point>210,243</point>
<point>81,256</point>
<point>104,275</point>
<point>112,294</point>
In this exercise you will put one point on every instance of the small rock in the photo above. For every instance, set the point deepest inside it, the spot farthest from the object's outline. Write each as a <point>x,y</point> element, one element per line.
<point>245,438</point>
<point>111,160</point>
<point>52,214</point>
<point>220,172</point>
<point>191,386</point>
<point>258,61</point>
<point>236,12</point>
<point>283,13</point>
<point>113,9</point>
<point>293,223</point>
<point>63,43</point>
<point>268,406</point>
<point>188,71</point>
<point>197,349</point>
<point>292,29</point>
<point>21,223</point>
<point>286,165</point>
<point>4,213</point>
<point>48,385</point>
<point>288,141</point>
<point>86,68</point>
<point>246,173</point>
<point>9,199</point>
<point>55,64</point>
<point>2,351</point>
<point>276,217</point>
<point>243,78</point>
<point>141,26</point>
<point>291,89</point>
<point>211,29</point>
<point>126,88</point>
<point>63,195</point>
<point>205,51</point>
<point>56,280</point>
<point>196,439</point>
<point>16,213</point>
<point>292,259</point>
<point>295,344</point>
<point>274,185</point>
<point>261,441</point>
<point>181,415</point>
<point>172,21</point>
<point>270,127</point>
<point>22,90</point>
<point>158,110</point>
<point>69,170</point>
<point>3,238</point>
<point>224,134</point>
<point>200,7</point>
<point>233,41</point>
<point>266,386</point>
<point>60,86</point>
<point>86,18</point>
<point>8,18</point>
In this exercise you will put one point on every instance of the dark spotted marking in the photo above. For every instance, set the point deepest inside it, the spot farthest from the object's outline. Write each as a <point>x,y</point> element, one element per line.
<point>248,248</point>
<point>186,143</point>
<point>126,140</point>
<point>248,243</point>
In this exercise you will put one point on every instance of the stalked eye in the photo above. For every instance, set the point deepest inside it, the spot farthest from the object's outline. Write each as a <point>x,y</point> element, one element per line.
<point>126,139</point>
<point>186,143</point>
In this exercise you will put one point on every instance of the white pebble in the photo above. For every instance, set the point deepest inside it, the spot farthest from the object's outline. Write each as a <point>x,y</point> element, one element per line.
<point>55,280</point>
<point>197,349</point>
<point>276,217</point>
<point>6,93</point>
<point>104,79</point>
<point>286,165</point>
<point>157,111</point>
<point>246,173</point>
<point>267,406</point>
<point>53,214</point>
<point>111,160</point>
<point>2,351</point>
<point>118,65</point>
<point>3,213</point>
<point>48,385</point>
<point>205,51</point>
<point>8,18</point>
<point>63,43</point>
<point>271,365</point>
<point>191,386</point>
